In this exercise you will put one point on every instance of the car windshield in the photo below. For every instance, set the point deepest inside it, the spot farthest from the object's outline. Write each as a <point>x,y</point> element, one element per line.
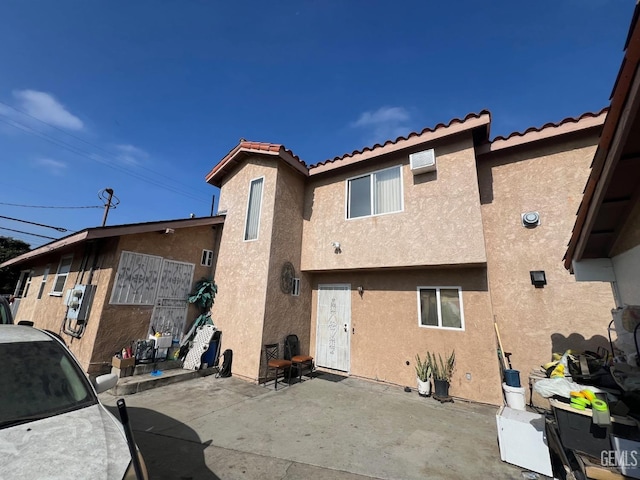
<point>39,379</point>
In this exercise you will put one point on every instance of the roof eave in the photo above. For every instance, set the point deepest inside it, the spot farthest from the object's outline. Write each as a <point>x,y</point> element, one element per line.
<point>109,232</point>
<point>627,89</point>
<point>583,123</point>
<point>240,152</point>
<point>479,121</point>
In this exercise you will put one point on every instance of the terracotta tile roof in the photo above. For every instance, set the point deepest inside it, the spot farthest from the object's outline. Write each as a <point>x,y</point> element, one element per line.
<point>553,125</point>
<point>548,130</point>
<point>244,148</point>
<point>379,149</point>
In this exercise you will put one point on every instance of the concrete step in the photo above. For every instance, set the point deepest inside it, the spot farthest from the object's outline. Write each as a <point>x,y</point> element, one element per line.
<point>147,381</point>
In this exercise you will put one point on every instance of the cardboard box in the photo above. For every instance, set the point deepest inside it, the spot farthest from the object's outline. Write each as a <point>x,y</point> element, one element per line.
<point>123,363</point>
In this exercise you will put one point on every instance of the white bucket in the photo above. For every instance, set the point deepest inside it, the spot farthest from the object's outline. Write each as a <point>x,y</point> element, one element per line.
<point>514,396</point>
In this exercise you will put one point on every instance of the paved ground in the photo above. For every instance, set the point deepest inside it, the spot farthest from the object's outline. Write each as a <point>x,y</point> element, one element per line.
<point>325,428</point>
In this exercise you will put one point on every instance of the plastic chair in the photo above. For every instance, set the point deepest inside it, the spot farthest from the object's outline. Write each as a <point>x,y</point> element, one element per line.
<point>272,353</point>
<point>292,352</point>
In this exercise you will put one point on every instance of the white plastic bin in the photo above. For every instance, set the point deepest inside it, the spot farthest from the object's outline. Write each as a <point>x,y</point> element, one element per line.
<point>515,397</point>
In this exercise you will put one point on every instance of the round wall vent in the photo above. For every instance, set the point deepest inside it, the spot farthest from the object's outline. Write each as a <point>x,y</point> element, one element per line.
<point>531,219</point>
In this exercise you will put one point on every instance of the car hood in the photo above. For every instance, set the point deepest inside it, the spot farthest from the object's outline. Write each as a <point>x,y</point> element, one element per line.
<point>86,443</point>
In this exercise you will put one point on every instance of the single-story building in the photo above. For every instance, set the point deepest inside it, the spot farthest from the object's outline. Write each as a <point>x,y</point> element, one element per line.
<point>103,287</point>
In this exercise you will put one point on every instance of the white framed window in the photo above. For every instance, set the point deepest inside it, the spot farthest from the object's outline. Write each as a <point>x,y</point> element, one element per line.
<point>64,267</point>
<point>295,287</point>
<point>440,307</point>
<point>22,288</point>
<point>375,193</point>
<point>207,258</point>
<point>44,281</point>
<point>254,205</point>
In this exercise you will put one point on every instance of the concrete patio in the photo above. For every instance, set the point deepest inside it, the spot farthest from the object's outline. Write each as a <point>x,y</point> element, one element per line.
<point>330,427</point>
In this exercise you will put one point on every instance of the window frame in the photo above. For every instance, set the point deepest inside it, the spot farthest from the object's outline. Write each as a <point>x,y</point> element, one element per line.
<point>371,193</point>
<point>206,260</point>
<point>53,292</point>
<point>439,305</point>
<point>246,215</point>
<point>295,287</point>
<point>43,282</point>
<point>24,281</point>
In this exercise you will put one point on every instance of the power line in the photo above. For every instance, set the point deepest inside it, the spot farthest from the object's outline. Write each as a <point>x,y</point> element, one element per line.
<point>27,233</point>
<point>44,206</point>
<point>95,157</point>
<point>59,229</point>
<point>112,154</point>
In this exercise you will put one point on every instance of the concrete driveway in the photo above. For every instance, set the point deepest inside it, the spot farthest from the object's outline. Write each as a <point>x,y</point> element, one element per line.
<point>329,427</point>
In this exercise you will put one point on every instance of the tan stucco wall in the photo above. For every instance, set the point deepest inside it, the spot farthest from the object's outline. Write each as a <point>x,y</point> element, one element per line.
<point>565,313</point>
<point>284,313</point>
<point>49,312</point>
<point>242,272</point>
<point>386,332</point>
<point>440,225</point>
<point>120,324</point>
<point>110,327</point>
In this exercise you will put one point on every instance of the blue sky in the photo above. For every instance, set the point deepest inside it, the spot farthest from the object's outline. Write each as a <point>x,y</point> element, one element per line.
<point>146,97</point>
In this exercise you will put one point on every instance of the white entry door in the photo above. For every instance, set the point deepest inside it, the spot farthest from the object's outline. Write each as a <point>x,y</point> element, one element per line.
<point>333,336</point>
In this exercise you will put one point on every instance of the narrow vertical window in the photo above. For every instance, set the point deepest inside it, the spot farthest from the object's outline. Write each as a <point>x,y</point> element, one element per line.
<point>253,209</point>
<point>61,275</point>
<point>44,281</point>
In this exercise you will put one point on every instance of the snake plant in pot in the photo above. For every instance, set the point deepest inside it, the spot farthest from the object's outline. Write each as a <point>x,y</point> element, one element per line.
<point>423,376</point>
<point>442,372</point>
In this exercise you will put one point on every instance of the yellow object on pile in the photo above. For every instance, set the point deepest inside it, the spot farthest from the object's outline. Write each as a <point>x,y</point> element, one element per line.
<point>558,371</point>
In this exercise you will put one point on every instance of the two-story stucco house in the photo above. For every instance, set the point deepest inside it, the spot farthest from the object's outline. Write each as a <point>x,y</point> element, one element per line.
<point>420,244</point>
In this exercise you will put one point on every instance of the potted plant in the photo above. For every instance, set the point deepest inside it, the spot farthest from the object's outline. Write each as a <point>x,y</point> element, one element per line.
<point>423,376</point>
<point>442,372</point>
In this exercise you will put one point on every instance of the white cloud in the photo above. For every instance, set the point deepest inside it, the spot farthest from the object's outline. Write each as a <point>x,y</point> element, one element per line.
<point>47,108</point>
<point>54,167</point>
<point>382,116</point>
<point>386,123</point>
<point>130,154</point>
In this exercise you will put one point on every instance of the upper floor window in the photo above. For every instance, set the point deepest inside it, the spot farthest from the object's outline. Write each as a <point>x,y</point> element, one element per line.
<point>375,193</point>
<point>440,307</point>
<point>64,267</point>
<point>253,209</point>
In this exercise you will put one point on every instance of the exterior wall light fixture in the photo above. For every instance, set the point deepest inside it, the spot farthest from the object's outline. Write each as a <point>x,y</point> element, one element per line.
<point>336,247</point>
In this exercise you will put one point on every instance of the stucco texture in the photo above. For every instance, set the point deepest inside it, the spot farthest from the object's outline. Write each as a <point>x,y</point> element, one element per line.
<point>242,273</point>
<point>534,322</point>
<point>440,224</point>
<point>386,333</point>
<point>109,328</point>
<point>284,313</point>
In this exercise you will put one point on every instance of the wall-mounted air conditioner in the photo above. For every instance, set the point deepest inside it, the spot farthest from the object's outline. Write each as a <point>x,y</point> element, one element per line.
<point>423,162</point>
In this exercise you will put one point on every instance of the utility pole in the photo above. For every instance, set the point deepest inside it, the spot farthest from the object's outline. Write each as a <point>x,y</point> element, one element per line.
<point>107,196</point>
